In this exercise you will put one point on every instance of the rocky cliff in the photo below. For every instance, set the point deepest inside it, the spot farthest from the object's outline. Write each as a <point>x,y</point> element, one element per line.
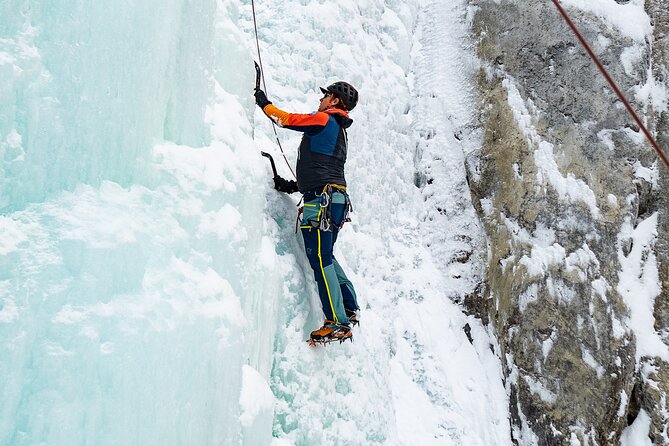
<point>569,192</point>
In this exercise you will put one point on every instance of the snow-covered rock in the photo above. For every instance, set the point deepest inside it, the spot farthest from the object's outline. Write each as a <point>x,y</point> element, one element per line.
<point>567,187</point>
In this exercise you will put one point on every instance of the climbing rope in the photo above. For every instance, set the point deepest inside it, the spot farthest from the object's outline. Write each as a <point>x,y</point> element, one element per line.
<point>643,128</point>
<point>260,74</point>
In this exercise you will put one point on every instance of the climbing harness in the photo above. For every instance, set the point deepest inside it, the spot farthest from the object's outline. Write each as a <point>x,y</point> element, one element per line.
<point>594,57</point>
<point>259,75</point>
<point>323,202</point>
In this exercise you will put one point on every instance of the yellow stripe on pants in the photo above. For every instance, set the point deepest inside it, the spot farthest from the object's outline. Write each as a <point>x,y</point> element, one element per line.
<point>325,279</point>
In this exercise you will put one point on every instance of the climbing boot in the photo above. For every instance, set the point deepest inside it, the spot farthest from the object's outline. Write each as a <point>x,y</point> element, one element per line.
<point>331,331</point>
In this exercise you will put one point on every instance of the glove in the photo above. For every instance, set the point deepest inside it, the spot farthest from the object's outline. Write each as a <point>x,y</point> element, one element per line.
<point>261,98</point>
<point>283,185</point>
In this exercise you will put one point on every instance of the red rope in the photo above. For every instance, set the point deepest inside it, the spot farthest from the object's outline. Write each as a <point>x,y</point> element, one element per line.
<point>652,141</point>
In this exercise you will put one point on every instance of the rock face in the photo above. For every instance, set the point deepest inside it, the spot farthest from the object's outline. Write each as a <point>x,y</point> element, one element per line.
<point>568,190</point>
<point>654,389</point>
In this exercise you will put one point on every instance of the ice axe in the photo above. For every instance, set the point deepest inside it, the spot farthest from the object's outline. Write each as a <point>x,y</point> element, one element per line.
<point>258,79</point>
<point>271,160</point>
<point>258,74</point>
<point>265,154</point>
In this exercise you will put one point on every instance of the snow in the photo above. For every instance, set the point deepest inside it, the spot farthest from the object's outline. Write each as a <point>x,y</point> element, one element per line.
<point>545,255</point>
<point>601,287</point>
<point>537,388</point>
<point>255,396</point>
<point>580,261</point>
<point>421,372</point>
<point>547,345</point>
<point>624,401</point>
<point>630,18</point>
<point>613,200</point>
<point>637,433</point>
<point>152,290</point>
<point>541,258</point>
<point>653,93</point>
<point>568,187</point>
<point>649,174</point>
<point>528,296</point>
<point>6,58</point>
<point>604,136</point>
<point>592,362</point>
<point>630,58</point>
<point>639,285</point>
<point>225,223</point>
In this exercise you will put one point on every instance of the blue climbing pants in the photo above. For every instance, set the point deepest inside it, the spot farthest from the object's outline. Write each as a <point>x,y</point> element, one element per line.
<point>334,289</point>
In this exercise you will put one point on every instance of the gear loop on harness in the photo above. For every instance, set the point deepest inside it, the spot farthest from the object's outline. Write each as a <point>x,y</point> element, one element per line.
<point>325,222</point>
<point>316,212</point>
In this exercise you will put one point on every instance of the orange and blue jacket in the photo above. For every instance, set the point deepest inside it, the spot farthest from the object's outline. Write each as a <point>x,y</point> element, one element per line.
<point>322,152</point>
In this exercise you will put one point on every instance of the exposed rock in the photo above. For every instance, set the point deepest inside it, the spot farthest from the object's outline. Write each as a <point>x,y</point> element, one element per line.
<point>561,182</point>
<point>656,384</point>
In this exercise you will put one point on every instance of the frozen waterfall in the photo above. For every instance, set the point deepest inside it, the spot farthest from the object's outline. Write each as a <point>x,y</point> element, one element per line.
<point>152,288</point>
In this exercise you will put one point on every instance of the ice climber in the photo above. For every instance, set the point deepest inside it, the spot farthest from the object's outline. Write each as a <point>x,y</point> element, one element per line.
<point>320,178</point>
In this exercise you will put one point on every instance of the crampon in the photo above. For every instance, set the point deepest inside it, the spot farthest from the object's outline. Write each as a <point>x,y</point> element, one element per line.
<point>326,341</point>
<point>329,332</point>
<point>353,318</point>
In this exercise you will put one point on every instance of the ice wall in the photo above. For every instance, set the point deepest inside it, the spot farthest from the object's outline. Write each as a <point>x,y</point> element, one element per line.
<point>132,216</point>
<point>152,290</point>
<point>89,87</point>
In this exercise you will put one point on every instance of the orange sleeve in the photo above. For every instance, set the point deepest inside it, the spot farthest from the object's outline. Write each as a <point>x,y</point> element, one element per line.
<point>285,119</point>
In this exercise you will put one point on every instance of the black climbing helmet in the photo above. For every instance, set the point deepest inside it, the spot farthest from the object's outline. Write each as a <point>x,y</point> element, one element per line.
<point>345,92</point>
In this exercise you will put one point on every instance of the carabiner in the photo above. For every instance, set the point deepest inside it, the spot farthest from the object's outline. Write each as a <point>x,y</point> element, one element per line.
<point>324,225</point>
<point>325,199</point>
